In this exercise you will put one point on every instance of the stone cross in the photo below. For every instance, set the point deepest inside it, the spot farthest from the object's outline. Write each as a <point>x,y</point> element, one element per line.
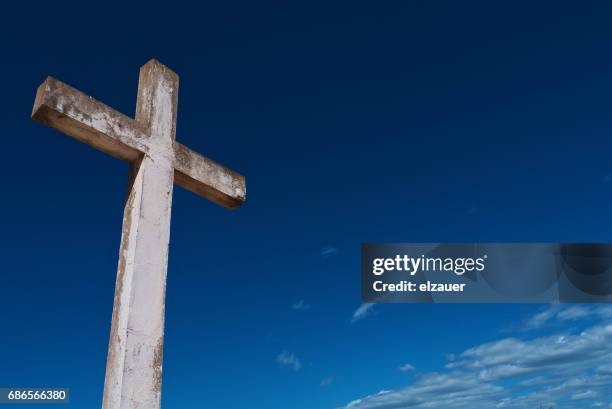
<point>134,362</point>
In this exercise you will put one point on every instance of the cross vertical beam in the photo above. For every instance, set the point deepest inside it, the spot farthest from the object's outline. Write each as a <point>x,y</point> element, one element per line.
<point>134,363</point>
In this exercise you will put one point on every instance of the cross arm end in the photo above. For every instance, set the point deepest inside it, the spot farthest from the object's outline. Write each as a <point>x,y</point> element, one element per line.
<point>70,111</point>
<point>207,178</point>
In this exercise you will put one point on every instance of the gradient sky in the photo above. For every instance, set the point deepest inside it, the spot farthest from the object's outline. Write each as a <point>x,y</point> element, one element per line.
<point>353,122</point>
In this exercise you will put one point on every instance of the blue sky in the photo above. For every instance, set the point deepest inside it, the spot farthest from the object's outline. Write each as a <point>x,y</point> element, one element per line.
<point>353,122</point>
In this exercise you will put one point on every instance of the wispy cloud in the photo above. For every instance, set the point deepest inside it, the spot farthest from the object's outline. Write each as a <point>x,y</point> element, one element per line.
<point>286,359</point>
<point>406,368</point>
<point>588,394</point>
<point>301,306</point>
<point>573,313</point>
<point>557,314</point>
<point>541,318</point>
<point>328,251</point>
<point>569,369</point>
<point>362,312</point>
<point>326,381</point>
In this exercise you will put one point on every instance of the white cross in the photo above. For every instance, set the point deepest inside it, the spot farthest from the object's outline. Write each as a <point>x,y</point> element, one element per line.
<point>134,364</point>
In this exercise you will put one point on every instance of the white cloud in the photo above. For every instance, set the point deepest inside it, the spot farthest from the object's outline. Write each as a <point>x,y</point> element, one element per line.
<point>557,314</point>
<point>570,370</point>
<point>542,318</point>
<point>589,394</point>
<point>329,250</point>
<point>326,381</point>
<point>573,313</point>
<point>363,311</point>
<point>406,368</point>
<point>301,306</point>
<point>289,360</point>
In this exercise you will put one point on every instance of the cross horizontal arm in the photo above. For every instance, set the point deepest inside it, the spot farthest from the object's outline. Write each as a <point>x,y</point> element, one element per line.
<point>70,111</point>
<point>207,178</point>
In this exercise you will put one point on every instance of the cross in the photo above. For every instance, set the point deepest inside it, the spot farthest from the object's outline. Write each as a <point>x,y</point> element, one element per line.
<point>134,362</point>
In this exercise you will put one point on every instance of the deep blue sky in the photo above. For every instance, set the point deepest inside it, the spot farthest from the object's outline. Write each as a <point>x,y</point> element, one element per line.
<point>353,122</point>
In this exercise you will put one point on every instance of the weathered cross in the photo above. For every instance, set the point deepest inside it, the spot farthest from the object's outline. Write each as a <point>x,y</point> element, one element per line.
<point>134,363</point>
